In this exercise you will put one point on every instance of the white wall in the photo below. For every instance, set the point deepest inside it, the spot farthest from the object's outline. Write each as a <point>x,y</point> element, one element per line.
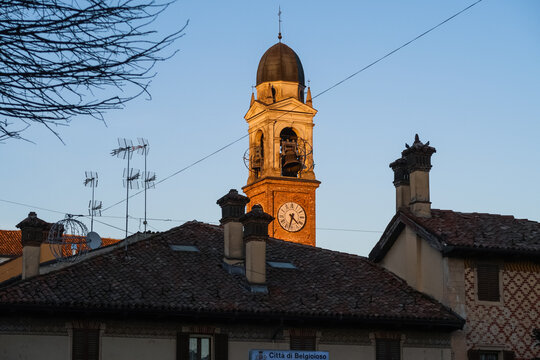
<point>123,348</point>
<point>32,347</point>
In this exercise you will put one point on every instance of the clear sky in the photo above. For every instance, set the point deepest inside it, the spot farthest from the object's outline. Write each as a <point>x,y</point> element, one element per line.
<point>472,88</point>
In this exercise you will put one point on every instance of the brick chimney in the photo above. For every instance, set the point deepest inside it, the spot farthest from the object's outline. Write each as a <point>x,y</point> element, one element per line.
<point>401,182</point>
<point>33,233</point>
<point>418,157</point>
<point>233,207</point>
<point>255,235</point>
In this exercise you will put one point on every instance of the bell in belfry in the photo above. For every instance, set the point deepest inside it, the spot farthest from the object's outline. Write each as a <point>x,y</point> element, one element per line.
<point>290,159</point>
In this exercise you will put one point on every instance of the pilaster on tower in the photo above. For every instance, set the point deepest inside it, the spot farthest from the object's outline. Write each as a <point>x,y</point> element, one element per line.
<point>281,177</point>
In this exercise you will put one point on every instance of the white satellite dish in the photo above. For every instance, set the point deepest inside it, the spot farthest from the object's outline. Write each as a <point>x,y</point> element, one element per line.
<point>93,240</point>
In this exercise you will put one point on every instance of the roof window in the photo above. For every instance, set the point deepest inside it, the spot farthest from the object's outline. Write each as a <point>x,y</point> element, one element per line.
<point>281,265</point>
<point>185,248</point>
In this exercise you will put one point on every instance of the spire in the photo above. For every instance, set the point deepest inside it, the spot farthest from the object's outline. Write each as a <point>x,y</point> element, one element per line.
<point>252,98</point>
<point>279,24</point>
<point>308,97</point>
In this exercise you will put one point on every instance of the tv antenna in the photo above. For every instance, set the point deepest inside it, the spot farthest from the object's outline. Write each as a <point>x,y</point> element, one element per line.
<point>94,206</point>
<point>125,151</point>
<point>149,177</point>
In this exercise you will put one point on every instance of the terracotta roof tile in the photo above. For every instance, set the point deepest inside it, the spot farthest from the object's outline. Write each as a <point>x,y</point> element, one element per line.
<point>457,232</point>
<point>482,230</point>
<point>10,243</point>
<point>154,278</point>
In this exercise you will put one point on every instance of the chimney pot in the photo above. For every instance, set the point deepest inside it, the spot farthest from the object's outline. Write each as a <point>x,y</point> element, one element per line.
<point>34,231</point>
<point>255,235</point>
<point>233,207</point>
<point>401,182</point>
<point>418,157</point>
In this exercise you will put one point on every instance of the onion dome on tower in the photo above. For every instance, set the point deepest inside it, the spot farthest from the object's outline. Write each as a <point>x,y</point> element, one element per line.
<point>280,75</point>
<point>280,63</point>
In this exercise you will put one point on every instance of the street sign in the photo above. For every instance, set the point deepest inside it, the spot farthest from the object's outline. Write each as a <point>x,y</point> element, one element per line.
<point>287,355</point>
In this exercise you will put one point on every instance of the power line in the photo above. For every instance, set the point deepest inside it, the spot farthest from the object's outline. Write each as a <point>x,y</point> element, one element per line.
<point>398,48</point>
<point>30,206</point>
<point>317,95</point>
<point>351,230</point>
<point>314,97</point>
<point>163,219</point>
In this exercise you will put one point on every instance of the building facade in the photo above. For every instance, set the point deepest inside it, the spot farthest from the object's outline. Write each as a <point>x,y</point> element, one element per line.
<point>485,267</point>
<point>190,293</point>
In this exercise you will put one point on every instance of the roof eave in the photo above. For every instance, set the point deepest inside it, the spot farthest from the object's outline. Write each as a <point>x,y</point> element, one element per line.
<point>446,325</point>
<point>469,251</point>
<point>392,231</point>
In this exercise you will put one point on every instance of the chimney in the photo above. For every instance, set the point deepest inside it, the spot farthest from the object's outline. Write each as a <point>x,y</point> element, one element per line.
<point>401,182</point>
<point>233,207</point>
<point>255,235</point>
<point>418,158</point>
<point>33,232</point>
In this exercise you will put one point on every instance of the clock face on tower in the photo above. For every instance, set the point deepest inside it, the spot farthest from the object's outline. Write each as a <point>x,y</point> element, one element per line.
<point>291,217</point>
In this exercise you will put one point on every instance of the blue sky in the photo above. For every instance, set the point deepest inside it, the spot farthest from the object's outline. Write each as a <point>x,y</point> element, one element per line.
<point>471,88</point>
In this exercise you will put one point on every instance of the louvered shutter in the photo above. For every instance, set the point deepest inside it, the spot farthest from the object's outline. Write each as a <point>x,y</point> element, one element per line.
<point>306,343</point>
<point>473,355</point>
<point>182,346</point>
<point>387,349</point>
<point>85,345</point>
<point>509,355</point>
<point>92,341</point>
<point>488,282</point>
<point>221,346</point>
<point>78,345</point>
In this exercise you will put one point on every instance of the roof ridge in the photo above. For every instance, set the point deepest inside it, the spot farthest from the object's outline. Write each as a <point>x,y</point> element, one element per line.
<point>485,213</point>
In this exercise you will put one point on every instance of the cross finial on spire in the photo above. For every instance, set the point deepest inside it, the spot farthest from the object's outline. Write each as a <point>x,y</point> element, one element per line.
<point>279,23</point>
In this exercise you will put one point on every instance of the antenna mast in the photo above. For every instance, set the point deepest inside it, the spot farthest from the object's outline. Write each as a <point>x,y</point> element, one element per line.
<point>279,23</point>
<point>94,206</point>
<point>125,150</point>
<point>149,177</point>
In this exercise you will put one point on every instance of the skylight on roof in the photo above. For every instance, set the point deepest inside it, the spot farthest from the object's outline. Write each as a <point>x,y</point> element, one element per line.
<point>188,248</point>
<point>281,265</point>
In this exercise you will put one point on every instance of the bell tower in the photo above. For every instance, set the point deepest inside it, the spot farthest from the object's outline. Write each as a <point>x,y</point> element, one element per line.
<point>281,177</point>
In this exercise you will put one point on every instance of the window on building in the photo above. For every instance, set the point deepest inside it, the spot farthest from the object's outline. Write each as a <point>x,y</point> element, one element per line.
<point>488,282</point>
<point>202,347</point>
<point>306,343</point>
<point>85,344</point>
<point>199,348</point>
<point>387,349</point>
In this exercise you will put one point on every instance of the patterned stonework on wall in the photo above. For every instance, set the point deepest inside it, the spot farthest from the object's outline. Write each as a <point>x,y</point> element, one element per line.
<point>509,323</point>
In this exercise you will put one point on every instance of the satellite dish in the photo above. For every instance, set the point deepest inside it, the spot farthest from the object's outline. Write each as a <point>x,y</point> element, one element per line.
<point>93,240</point>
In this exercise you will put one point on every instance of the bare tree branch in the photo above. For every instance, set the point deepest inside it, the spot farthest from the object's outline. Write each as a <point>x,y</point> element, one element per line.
<point>65,58</point>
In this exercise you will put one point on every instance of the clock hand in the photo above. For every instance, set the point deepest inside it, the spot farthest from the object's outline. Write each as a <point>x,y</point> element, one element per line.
<point>296,221</point>
<point>292,218</point>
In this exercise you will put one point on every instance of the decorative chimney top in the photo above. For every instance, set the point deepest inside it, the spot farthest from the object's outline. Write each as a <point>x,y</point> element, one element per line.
<point>33,221</point>
<point>233,206</point>
<point>256,223</point>
<point>32,230</point>
<point>418,155</point>
<point>401,172</point>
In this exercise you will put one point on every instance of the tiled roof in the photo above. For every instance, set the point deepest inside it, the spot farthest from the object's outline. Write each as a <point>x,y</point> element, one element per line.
<point>10,243</point>
<point>155,279</point>
<point>456,233</point>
